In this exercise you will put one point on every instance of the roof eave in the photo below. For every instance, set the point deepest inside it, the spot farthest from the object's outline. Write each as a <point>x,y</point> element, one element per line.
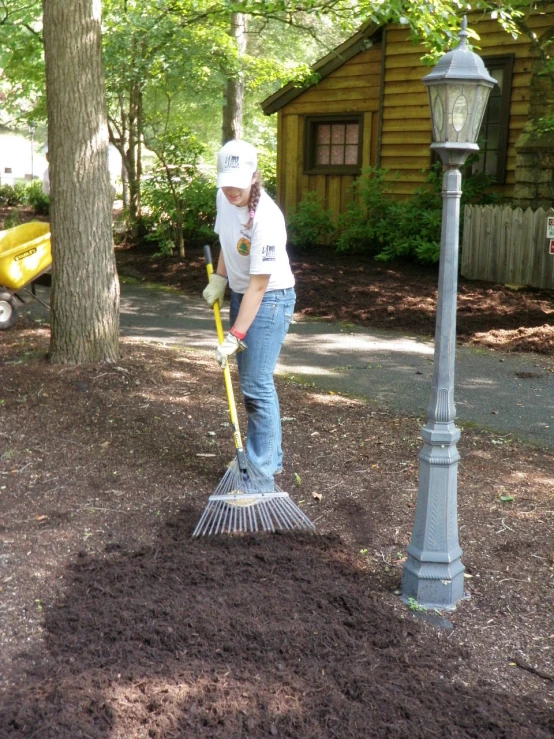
<point>323,67</point>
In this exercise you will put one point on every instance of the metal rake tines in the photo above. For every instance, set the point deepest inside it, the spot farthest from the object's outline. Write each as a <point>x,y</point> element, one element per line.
<point>249,513</point>
<point>248,480</point>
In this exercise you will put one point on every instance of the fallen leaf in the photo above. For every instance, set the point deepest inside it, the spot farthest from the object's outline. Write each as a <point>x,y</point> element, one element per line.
<point>41,518</point>
<point>317,496</point>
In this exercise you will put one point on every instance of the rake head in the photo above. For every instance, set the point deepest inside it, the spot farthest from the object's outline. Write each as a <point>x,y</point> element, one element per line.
<point>245,502</point>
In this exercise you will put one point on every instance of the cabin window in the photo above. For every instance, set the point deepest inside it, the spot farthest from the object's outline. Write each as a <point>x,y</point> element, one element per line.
<point>493,136</point>
<point>332,144</point>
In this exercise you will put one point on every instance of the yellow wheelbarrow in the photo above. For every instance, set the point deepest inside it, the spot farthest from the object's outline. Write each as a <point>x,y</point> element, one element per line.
<point>25,255</point>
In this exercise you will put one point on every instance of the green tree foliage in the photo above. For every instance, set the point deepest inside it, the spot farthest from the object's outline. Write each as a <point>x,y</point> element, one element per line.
<point>180,202</point>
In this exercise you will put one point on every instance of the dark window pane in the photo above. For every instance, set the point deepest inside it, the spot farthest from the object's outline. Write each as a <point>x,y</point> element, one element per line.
<point>479,165</point>
<point>493,109</point>
<point>491,163</point>
<point>493,136</point>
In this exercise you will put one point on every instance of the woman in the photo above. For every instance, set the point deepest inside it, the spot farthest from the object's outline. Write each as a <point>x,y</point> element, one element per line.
<point>254,261</point>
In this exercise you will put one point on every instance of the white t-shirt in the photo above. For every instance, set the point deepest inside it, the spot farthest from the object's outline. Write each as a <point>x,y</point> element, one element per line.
<point>260,250</point>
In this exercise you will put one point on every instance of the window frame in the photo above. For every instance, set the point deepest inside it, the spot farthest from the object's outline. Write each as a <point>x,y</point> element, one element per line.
<point>311,122</point>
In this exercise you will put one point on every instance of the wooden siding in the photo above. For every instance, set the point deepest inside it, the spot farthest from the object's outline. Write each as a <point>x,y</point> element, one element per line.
<point>384,84</point>
<point>406,110</point>
<point>352,88</point>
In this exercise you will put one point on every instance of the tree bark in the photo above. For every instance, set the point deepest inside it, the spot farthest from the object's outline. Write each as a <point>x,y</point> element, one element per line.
<point>234,92</point>
<point>85,286</point>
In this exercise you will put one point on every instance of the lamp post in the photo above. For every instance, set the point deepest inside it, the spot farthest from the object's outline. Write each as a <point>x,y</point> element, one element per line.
<point>433,573</point>
<point>32,135</point>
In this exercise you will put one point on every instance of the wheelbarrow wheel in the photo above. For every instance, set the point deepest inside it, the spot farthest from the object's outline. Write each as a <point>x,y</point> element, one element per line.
<point>8,310</point>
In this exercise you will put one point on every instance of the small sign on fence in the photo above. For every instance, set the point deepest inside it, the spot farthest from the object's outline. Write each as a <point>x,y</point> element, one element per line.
<point>551,246</point>
<point>550,228</point>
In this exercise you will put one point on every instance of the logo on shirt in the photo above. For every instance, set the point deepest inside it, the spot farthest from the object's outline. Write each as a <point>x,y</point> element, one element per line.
<point>268,254</point>
<point>243,246</point>
<point>232,162</point>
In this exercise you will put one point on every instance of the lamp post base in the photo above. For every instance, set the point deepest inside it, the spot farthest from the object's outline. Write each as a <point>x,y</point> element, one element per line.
<point>433,585</point>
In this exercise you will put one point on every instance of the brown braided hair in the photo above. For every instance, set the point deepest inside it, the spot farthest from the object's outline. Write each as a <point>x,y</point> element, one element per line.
<point>254,199</point>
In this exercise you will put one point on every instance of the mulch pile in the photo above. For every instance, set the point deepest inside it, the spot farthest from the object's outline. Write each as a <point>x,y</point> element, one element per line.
<point>274,636</point>
<point>116,624</point>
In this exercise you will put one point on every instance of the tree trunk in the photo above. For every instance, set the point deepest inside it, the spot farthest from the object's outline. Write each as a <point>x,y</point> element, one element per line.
<point>234,93</point>
<point>85,287</point>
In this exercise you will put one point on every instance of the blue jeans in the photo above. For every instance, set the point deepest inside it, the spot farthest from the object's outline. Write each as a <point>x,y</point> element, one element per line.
<point>256,367</point>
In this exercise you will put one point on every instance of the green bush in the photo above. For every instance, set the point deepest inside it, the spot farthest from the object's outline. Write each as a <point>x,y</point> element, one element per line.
<point>36,198</point>
<point>267,167</point>
<point>309,224</point>
<point>12,195</point>
<point>178,200</point>
<point>403,229</point>
<point>370,217</point>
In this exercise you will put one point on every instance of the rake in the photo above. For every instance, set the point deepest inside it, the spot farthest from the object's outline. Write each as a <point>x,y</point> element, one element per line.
<point>242,502</point>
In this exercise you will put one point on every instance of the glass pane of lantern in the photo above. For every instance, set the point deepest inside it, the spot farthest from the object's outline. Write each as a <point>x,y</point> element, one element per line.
<point>323,133</point>
<point>338,132</point>
<point>459,113</point>
<point>352,133</point>
<point>437,112</point>
<point>478,111</point>
<point>351,154</point>
<point>337,155</point>
<point>322,155</point>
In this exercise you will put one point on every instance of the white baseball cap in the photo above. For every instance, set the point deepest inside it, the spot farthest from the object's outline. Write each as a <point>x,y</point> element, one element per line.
<point>236,163</point>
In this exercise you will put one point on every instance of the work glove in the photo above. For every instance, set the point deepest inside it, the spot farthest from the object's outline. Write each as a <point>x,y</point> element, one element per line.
<point>215,289</point>
<point>229,346</point>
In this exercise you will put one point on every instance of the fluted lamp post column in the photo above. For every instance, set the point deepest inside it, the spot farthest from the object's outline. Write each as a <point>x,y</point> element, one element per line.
<point>433,573</point>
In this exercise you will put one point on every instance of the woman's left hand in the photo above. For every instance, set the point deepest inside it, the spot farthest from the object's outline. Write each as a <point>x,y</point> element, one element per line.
<point>229,346</point>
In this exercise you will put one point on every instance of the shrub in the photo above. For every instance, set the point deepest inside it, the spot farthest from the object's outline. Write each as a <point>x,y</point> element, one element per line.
<point>36,198</point>
<point>370,216</point>
<point>12,195</point>
<point>178,200</point>
<point>310,224</point>
<point>267,168</point>
<point>403,229</point>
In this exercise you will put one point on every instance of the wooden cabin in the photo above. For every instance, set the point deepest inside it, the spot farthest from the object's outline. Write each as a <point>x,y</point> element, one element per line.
<point>369,107</point>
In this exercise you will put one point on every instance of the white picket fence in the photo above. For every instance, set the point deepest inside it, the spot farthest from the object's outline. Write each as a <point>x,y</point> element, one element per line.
<point>507,245</point>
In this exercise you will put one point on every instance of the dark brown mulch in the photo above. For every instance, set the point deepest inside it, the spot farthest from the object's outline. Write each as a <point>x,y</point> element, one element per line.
<point>116,624</point>
<point>401,296</point>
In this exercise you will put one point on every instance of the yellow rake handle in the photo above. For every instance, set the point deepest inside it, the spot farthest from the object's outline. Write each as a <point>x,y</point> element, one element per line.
<point>226,371</point>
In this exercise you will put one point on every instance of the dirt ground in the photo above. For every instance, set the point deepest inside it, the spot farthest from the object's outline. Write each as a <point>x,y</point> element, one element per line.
<point>116,624</point>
